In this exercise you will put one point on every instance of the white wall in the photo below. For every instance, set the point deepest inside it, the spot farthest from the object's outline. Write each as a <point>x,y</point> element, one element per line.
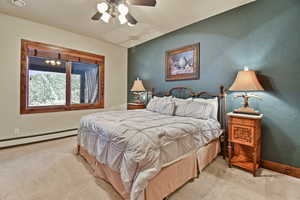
<point>12,30</point>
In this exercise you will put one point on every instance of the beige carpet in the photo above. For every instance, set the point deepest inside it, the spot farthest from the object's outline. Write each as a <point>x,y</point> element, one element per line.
<point>50,171</point>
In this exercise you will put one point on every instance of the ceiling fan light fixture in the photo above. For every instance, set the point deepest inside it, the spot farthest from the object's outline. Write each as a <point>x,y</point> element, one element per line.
<point>108,9</point>
<point>105,17</point>
<point>123,9</point>
<point>122,19</point>
<point>18,3</point>
<point>52,62</point>
<point>102,7</point>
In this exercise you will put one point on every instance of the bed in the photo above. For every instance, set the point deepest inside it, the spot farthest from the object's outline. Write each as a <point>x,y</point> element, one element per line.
<point>147,155</point>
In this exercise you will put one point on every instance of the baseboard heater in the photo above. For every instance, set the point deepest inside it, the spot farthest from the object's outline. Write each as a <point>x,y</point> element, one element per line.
<point>42,137</point>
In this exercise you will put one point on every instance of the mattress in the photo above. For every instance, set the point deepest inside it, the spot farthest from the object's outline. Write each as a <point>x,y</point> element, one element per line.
<point>138,143</point>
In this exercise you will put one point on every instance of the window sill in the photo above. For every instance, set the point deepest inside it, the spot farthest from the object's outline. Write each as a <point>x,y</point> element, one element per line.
<point>47,109</point>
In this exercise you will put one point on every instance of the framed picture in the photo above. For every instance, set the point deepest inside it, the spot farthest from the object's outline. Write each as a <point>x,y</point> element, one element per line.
<point>183,63</point>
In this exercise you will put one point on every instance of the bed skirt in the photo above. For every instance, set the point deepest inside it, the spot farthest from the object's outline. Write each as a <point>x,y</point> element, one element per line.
<point>169,179</point>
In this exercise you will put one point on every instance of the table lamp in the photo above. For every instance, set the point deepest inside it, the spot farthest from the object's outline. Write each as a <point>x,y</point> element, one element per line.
<point>137,89</point>
<point>246,81</point>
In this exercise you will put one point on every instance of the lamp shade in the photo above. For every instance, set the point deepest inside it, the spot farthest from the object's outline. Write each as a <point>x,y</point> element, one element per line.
<point>138,86</point>
<point>246,81</point>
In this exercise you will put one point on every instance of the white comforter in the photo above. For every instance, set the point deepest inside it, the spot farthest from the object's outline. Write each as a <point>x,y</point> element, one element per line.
<point>132,142</point>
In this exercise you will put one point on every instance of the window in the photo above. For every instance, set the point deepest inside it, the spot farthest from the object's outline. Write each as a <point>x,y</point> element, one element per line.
<point>47,84</point>
<point>59,79</point>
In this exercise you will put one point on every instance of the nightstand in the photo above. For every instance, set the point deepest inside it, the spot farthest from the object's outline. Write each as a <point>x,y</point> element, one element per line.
<point>244,145</point>
<point>134,106</point>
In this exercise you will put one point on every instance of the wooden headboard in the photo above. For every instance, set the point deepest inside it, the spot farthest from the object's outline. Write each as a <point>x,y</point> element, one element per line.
<point>185,93</point>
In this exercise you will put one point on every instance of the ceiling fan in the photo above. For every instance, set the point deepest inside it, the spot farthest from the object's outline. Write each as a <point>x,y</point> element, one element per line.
<point>119,8</point>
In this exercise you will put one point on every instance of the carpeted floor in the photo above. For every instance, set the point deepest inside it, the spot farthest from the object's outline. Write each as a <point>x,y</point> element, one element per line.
<point>50,171</point>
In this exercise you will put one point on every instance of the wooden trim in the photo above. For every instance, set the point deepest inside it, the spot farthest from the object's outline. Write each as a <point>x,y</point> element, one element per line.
<point>48,109</point>
<point>23,78</point>
<point>85,106</point>
<point>281,168</point>
<point>43,109</point>
<point>31,48</point>
<point>61,50</point>
<point>101,81</point>
<point>68,84</point>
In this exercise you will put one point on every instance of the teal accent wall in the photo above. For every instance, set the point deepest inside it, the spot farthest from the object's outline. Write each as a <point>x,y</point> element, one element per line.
<point>265,35</point>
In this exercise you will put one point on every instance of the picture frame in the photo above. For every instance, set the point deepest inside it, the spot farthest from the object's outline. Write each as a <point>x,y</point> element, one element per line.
<point>183,63</point>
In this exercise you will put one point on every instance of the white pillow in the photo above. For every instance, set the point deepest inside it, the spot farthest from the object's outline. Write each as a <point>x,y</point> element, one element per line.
<point>182,100</point>
<point>163,105</point>
<point>166,108</point>
<point>199,110</point>
<point>151,106</point>
<point>214,103</point>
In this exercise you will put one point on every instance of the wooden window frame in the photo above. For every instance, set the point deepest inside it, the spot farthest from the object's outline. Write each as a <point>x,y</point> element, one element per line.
<point>30,48</point>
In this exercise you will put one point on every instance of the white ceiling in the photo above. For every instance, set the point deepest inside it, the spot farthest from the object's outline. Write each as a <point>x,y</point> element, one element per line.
<point>74,16</point>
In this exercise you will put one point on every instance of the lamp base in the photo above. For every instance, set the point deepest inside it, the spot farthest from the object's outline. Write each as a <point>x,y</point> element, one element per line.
<point>138,98</point>
<point>138,101</point>
<point>246,110</point>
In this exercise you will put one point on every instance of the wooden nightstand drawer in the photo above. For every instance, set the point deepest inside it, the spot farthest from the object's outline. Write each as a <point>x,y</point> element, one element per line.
<point>243,121</point>
<point>135,106</point>
<point>242,134</point>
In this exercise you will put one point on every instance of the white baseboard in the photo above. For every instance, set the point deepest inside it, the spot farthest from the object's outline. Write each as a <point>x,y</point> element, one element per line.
<point>34,139</point>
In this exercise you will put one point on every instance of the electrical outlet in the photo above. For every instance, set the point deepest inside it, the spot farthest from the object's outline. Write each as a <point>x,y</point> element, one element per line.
<point>17,131</point>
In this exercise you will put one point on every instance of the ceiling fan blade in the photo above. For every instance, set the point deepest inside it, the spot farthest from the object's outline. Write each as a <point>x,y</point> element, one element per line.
<point>142,2</point>
<point>131,19</point>
<point>97,16</point>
